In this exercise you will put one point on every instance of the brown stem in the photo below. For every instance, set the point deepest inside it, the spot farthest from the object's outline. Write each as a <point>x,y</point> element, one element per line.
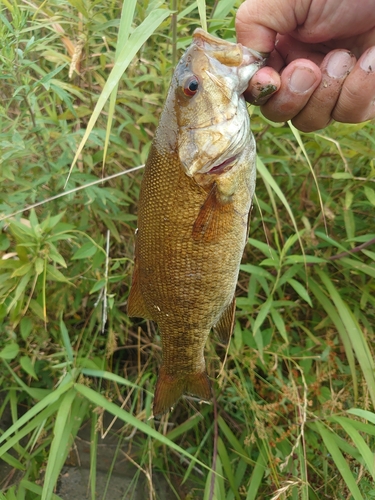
<point>214,454</point>
<point>348,252</point>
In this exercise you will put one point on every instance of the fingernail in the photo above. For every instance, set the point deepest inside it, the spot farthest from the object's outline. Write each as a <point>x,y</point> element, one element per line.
<point>339,64</point>
<point>368,62</point>
<point>301,80</point>
<point>262,93</point>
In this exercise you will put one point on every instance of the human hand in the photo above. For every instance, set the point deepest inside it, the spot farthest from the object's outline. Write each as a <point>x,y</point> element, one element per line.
<point>322,62</point>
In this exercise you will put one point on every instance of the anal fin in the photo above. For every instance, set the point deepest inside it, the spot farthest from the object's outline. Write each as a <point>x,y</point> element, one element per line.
<point>169,389</point>
<point>225,325</point>
<point>136,304</point>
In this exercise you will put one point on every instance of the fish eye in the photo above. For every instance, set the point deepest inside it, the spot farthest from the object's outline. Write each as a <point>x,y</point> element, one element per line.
<point>191,86</point>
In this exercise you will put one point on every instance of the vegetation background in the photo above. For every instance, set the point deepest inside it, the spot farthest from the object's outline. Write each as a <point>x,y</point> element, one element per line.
<point>293,414</point>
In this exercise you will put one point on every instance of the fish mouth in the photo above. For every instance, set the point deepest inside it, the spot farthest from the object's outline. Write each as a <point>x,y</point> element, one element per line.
<point>223,167</point>
<point>228,53</point>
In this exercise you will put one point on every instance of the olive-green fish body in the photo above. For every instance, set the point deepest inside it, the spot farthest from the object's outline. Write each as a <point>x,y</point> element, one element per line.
<point>194,205</point>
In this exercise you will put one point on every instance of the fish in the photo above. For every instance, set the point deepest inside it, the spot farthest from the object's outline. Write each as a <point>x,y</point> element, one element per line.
<point>193,214</point>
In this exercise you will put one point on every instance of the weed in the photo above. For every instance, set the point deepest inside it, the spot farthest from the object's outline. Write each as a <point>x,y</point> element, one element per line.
<point>293,415</point>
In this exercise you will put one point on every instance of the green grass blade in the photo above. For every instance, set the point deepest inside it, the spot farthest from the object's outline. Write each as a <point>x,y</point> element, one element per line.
<point>59,446</point>
<point>35,393</point>
<point>93,454</point>
<point>135,42</point>
<point>35,488</point>
<point>123,415</point>
<point>355,334</point>
<point>111,376</point>
<point>231,437</point>
<point>359,442</point>
<point>45,402</point>
<point>297,135</point>
<point>336,320</point>
<point>270,181</point>
<point>127,15</point>
<point>339,460</point>
<point>38,420</point>
<point>368,415</point>
<point>227,466</point>
<point>66,340</point>
<point>218,492</point>
<point>202,13</point>
<point>257,475</point>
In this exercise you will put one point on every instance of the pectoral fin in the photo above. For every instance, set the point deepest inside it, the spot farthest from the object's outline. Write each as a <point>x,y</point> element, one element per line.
<point>209,222</point>
<point>225,325</point>
<point>136,304</point>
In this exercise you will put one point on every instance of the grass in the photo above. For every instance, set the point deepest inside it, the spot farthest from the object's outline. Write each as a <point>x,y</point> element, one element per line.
<point>293,414</point>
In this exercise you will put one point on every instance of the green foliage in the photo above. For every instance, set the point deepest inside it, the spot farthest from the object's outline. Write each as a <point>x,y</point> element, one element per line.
<point>294,411</point>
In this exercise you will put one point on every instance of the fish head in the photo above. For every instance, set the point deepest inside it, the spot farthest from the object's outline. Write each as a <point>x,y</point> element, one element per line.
<point>211,113</point>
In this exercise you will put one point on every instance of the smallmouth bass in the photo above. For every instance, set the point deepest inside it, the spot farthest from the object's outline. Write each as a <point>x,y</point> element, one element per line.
<point>194,206</point>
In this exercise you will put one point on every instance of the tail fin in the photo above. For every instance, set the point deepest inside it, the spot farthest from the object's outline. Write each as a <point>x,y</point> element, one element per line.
<point>169,389</point>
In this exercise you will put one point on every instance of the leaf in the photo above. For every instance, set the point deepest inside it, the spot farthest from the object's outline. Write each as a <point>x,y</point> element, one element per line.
<point>66,340</point>
<point>39,265</point>
<point>54,274</point>
<point>87,250</point>
<point>28,366</point>
<point>301,290</point>
<point>359,266</point>
<point>302,259</point>
<point>342,175</point>
<point>280,325</point>
<point>55,255</point>
<point>250,269</point>
<point>21,271</point>
<point>10,351</point>
<point>267,250</point>
<point>370,194</point>
<point>262,314</point>
<point>98,285</point>
<point>368,415</point>
<point>26,325</point>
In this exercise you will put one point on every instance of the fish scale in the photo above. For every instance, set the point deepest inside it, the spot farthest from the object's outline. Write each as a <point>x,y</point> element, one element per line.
<point>192,224</point>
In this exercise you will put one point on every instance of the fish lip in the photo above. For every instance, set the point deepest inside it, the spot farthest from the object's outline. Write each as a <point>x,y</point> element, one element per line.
<point>212,43</point>
<point>221,168</point>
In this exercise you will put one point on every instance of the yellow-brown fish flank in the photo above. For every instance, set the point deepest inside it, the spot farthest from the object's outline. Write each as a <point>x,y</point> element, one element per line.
<point>193,210</point>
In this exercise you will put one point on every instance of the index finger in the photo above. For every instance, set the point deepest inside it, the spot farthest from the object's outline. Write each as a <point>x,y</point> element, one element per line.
<point>259,21</point>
